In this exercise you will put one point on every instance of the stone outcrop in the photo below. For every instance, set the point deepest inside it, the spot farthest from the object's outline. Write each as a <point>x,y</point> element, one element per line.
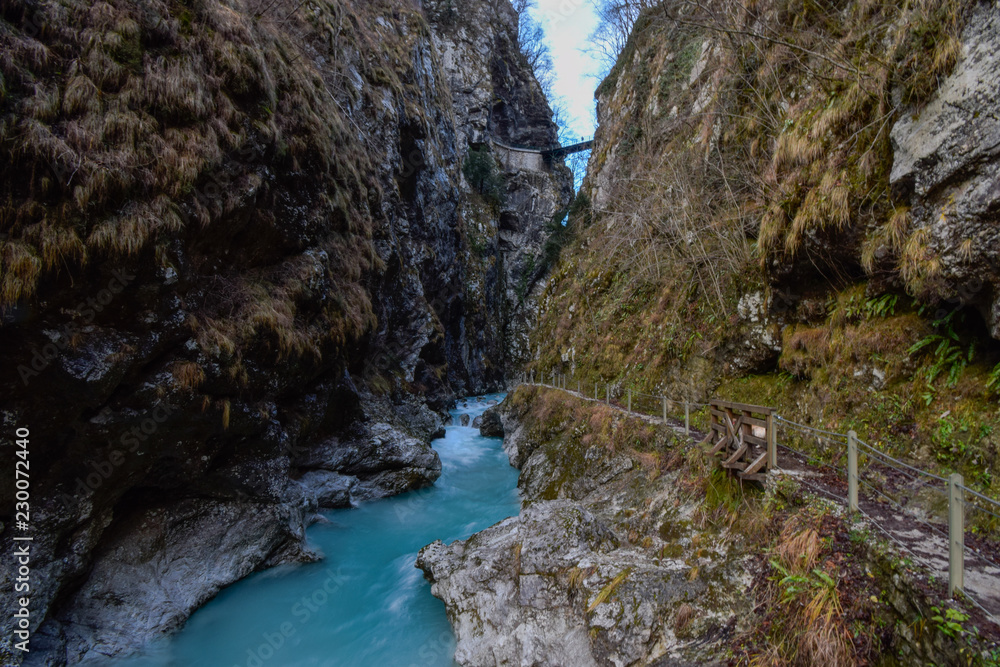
<point>491,424</point>
<point>945,162</point>
<point>152,569</point>
<point>601,566</point>
<point>375,461</point>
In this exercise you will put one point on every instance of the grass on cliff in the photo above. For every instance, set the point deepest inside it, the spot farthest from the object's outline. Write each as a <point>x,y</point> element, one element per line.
<point>817,605</point>
<point>745,151</point>
<point>591,423</point>
<point>204,137</point>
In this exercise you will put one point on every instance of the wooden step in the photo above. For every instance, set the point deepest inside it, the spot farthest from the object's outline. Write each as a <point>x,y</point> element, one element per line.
<point>731,462</point>
<point>757,464</point>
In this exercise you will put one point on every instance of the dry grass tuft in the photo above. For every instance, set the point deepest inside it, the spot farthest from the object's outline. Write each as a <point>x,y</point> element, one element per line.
<point>20,267</point>
<point>60,246</point>
<point>609,589</point>
<point>795,150</point>
<point>810,630</point>
<point>887,241</point>
<point>187,375</point>
<point>81,96</point>
<point>682,619</point>
<point>798,549</point>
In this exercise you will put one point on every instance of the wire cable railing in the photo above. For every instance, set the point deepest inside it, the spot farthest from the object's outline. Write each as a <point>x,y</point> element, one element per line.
<point>907,485</point>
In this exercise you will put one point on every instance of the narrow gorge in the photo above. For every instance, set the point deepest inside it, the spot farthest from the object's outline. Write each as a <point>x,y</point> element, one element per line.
<point>244,274</point>
<point>253,254</point>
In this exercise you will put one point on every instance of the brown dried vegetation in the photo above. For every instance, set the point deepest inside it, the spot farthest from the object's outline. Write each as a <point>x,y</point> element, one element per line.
<point>127,127</point>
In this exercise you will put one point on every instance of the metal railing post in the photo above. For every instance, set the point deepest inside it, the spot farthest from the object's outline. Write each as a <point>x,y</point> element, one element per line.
<point>630,400</point>
<point>607,392</point>
<point>956,534</point>
<point>772,442</point>
<point>687,418</point>
<point>852,471</point>
<point>664,409</point>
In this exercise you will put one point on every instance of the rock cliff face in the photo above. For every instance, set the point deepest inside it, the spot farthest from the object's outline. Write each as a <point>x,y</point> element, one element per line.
<point>242,273</point>
<point>797,223</point>
<point>945,161</point>
<point>498,103</point>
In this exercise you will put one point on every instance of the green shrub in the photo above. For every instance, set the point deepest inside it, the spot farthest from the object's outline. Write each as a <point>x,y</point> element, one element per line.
<point>483,175</point>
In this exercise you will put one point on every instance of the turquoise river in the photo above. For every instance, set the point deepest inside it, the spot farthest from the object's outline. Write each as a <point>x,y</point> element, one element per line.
<point>364,604</point>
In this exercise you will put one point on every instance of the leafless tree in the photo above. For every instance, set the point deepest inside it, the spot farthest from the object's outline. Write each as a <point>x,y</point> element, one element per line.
<point>615,20</point>
<point>532,45</point>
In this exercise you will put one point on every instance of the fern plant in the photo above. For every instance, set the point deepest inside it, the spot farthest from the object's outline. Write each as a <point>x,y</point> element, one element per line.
<point>949,356</point>
<point>993,381</point>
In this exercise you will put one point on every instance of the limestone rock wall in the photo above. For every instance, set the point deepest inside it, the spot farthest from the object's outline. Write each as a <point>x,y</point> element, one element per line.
<point>945,162</point>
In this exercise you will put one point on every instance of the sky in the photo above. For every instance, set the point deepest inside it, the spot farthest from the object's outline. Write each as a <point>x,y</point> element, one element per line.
<point>567,25</point>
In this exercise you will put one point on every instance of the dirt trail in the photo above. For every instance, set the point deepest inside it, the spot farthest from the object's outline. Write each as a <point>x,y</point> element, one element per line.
<point>917,534</point>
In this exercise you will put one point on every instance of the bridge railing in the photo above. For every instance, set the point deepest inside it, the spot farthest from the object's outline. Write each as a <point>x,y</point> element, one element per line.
<point>581,145</point>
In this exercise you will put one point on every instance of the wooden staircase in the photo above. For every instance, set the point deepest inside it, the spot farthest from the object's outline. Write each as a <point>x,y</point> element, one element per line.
<point>743,437</point>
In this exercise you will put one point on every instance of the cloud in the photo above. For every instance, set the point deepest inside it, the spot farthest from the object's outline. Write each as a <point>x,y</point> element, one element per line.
<point>568,25</point>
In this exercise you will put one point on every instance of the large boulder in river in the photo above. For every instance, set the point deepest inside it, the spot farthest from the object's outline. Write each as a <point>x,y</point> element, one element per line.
<point>382,459</point>
<point>327,489</point>
<point>490,426</point>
